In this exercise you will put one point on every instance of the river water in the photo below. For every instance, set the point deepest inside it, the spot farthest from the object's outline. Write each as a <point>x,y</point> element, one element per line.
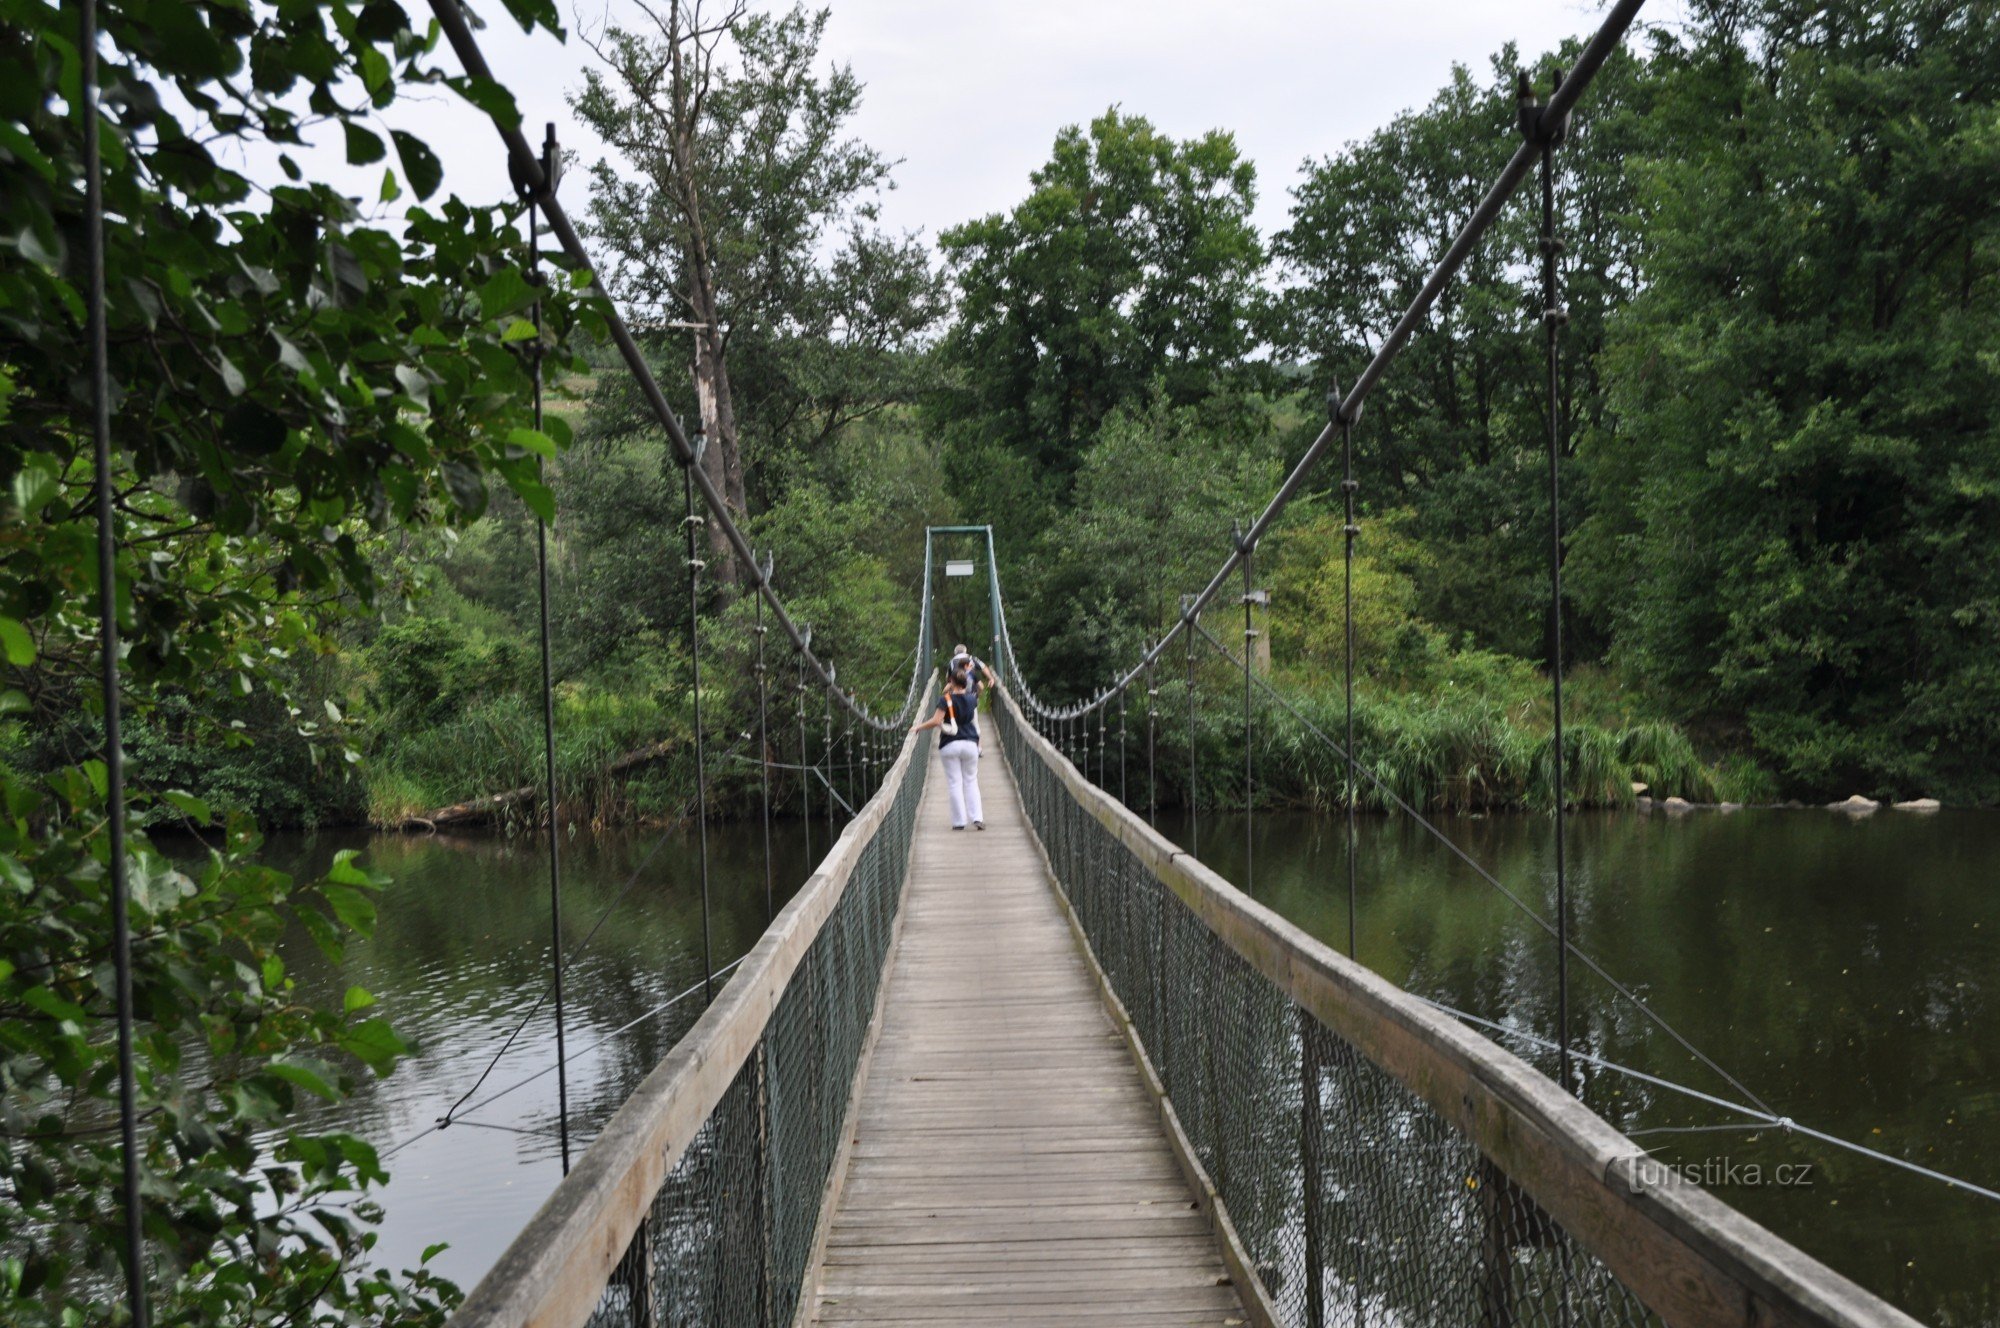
<point>1842,970</point>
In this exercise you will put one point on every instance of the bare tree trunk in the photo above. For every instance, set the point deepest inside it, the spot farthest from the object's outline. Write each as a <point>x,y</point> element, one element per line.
<point>722,463</point>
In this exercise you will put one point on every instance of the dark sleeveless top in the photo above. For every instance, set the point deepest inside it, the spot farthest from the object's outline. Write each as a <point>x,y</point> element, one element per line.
<point>965,709</point>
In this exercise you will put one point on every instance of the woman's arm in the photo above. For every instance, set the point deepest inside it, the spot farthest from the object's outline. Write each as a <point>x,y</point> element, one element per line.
<point>937,718</point>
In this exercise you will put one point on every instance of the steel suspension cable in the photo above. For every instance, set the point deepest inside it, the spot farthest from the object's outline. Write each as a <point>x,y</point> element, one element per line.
<point>96,316</point>
<point>1123,799</point>
<point>573,955</point>
<point>1603,42</point>
<point>524,166</point>
<point>445,1122</point>
<point>535,278</point>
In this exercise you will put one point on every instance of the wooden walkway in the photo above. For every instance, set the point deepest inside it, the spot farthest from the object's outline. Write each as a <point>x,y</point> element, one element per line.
<point>1008,1166</point>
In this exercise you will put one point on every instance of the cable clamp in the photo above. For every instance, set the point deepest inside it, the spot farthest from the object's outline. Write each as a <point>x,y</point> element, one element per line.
<point>1533,116</point>
<point>1350,486</point>
<point>1555,315</point>
<point>1351,532</point>
<point>1549,244</point>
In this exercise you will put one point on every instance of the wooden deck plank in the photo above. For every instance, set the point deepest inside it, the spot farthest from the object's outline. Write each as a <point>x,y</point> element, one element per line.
<point>1007,1164</point>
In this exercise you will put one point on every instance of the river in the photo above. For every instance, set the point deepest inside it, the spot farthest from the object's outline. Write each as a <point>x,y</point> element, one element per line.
<point>1840,969</point>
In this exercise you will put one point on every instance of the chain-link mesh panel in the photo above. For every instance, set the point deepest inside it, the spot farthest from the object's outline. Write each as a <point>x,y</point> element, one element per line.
<point>730,1231</point>
<point>1355,1201</point>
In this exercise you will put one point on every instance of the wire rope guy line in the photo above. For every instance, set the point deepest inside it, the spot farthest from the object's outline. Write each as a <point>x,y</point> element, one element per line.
<point>1759,1118</point>
<point>1582,956</point>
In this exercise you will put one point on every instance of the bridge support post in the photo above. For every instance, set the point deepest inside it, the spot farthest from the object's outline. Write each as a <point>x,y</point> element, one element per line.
<point>634,1275</point>
<point>767,1190</point>
<point>1152,744</point>
<point>1311,1129</point>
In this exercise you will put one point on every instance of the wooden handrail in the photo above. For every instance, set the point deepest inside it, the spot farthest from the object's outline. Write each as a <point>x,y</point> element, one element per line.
<point>556,1270</point>
<point>1692,1259</point>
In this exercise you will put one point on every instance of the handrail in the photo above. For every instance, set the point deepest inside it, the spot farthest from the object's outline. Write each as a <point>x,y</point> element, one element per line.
<point>557,1269</point>
<point>1687,1256</point>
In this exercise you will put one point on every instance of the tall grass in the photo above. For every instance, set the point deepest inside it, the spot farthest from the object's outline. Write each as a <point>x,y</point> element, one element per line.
<point>1435,752</point>
<point>495,745</point>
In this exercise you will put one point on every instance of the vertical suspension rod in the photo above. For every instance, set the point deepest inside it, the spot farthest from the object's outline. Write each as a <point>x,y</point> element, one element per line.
<point>700,754</point>
<point>1249,767</point>
<point>549,169</point>
<point>764,754</point>
<point>1122,797</point>
<point>1152,744</point>
<point>1350,531</point>
<point>1553,317</point>
<point>805,765</point>
<point>1194,822</point>
<point>107,632</point>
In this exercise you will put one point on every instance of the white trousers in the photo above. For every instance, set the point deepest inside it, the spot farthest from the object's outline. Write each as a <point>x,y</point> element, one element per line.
<point>961,776</point>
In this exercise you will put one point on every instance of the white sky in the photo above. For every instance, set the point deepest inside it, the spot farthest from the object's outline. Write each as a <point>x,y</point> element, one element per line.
<point>969,94</point>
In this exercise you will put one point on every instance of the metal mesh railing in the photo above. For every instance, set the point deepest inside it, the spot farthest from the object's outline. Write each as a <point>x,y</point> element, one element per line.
<point>1361,1182</point>
<point>741,1124</point>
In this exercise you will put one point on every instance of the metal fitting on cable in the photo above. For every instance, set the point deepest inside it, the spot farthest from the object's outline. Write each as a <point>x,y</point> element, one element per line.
<point>1532,114</point>
<point>1336,407</point>
<point>547,173</point>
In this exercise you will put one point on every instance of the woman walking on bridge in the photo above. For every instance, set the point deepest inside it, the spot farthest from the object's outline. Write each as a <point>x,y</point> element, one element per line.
<point>958,716</point>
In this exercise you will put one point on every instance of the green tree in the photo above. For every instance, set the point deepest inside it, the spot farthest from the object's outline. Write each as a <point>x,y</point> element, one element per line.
<point>1132,263</point>
<point>743,206</point>
<point>1457,430</point>
<point>1793,532</point>
<point>288,379</point>
<point>1155,498</point>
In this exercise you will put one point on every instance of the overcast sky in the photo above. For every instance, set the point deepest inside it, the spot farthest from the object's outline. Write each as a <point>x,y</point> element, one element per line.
<point>968,94</point>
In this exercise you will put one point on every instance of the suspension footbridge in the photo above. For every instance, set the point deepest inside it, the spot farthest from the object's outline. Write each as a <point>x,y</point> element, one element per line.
<point>1061,1072</point>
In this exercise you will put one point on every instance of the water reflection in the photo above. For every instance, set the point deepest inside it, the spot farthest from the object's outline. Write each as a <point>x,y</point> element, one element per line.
<point>1841,969</point>
<point>460,955</point>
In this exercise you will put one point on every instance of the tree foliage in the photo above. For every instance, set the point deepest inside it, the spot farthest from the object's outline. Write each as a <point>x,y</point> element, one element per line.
<point>1806,462</point>
<point>290,375</point>
<point>1132,263</point>
<point>743,204</point>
